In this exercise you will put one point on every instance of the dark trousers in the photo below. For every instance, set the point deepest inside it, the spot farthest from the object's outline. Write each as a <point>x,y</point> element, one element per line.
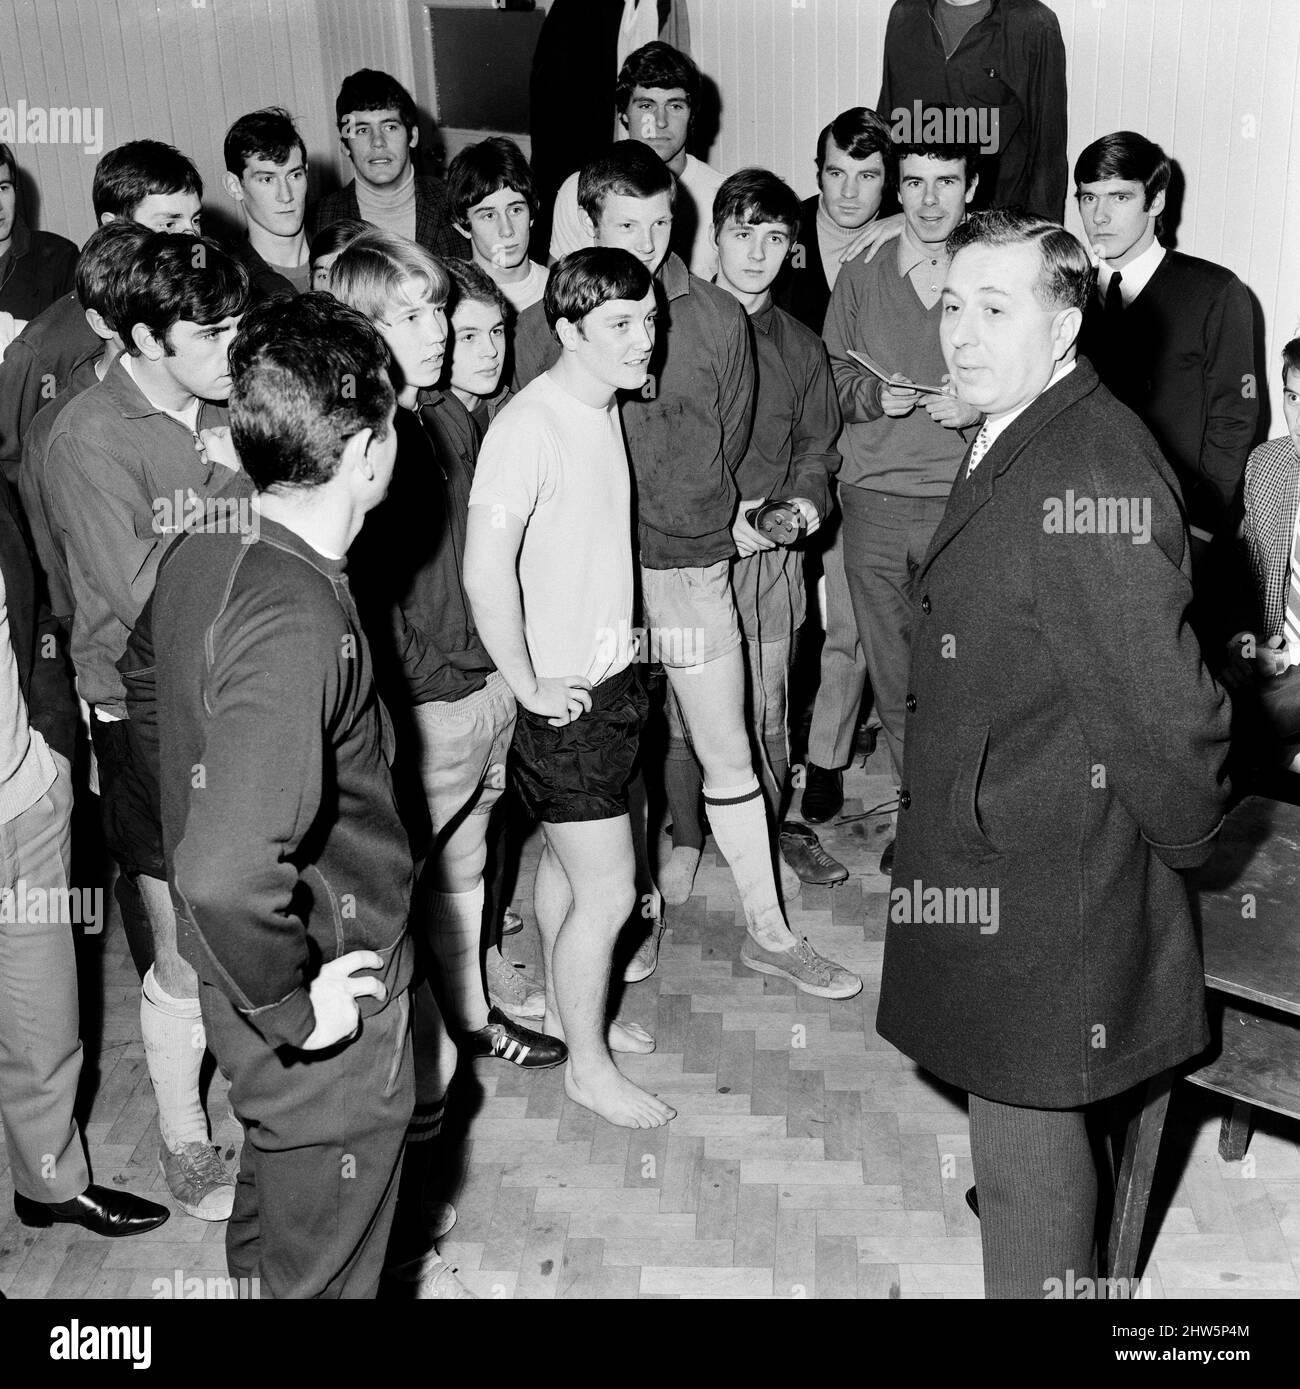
<point>885,540</point>
<point>1037,1183</point>
<point>322,1151</point>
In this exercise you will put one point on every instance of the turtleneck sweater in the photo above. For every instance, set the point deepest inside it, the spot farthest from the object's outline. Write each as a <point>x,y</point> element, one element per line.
<point>832,241</point>
<point>393,207</point>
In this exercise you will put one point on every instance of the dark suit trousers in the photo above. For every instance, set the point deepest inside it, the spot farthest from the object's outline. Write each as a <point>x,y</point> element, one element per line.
<point>885,540</point>
<point>1037,1184</point>
<point>323,1136</point>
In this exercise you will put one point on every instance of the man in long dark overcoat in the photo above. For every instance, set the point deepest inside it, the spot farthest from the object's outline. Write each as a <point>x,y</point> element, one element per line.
<point>1064,754</point>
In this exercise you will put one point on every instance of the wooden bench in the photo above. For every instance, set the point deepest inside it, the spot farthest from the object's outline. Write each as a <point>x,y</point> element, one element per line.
<point>1249,899</point>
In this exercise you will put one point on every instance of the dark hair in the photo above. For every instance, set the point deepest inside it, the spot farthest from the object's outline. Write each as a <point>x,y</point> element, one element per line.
<point>266,134</point>
<point>472,284</point>
<point>307,374</point>
<point>1067,274</point>
<point>756,195</point>
<point>369,90</point>
<point>129,174</point>
<point>1290,358</point>
<point>7,160</point>
<point>584,280</point>
<point>860,133</point>
<point>627,170</point>
<point>657,65</point>
<point>1126,155</point>
<point>335,237</point>
<point>175,277</point>
<point>104,262</point>
<point>968,154</point>
<point>480,170</point>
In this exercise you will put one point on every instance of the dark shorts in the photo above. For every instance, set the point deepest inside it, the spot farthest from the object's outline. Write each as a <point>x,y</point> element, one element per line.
<point>128,801</point>
<point>581,771</point>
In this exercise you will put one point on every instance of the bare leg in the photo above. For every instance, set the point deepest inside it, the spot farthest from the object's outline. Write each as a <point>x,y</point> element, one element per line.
<point>584,892</point>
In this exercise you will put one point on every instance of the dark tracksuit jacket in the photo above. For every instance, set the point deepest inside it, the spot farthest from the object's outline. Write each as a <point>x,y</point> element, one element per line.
<point>285,845</point>
<point>1014,60</point>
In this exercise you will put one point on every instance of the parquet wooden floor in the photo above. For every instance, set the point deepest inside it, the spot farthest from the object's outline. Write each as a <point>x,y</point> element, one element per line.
<point>808,1158</point>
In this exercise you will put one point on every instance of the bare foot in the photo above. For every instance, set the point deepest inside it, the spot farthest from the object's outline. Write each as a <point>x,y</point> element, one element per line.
<point>622,1036</point>
<point>629,1036</point>
<point>609,1093</point>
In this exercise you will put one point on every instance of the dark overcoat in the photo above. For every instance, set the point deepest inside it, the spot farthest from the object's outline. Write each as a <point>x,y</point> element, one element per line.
<point>1064,747</point>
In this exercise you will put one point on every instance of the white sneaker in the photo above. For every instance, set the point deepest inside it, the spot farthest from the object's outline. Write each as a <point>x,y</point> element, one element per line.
<point>433,1278</point>
<point>511,989</point>
<point>646,960</point>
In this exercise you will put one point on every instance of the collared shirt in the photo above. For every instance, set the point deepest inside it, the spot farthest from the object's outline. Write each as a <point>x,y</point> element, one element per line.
<point>1133,277</point>
<point>121,475</point>
<point>791,453</point>
<point>996,425</point>
<point>924,266</point>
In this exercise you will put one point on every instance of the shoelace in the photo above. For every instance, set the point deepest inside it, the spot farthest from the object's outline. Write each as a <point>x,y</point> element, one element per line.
<point>204,1167</point>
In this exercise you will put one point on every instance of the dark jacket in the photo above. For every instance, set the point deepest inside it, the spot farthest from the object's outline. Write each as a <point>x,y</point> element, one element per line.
<point>688,429</point>
<point>1014,60</point>
<point>47,538</point>
<point>1180,357</point>
<point>43,675</point>
<point>1064,748</point>
<point>37,366</point>
<point>115,469</point>
<point>433,228</point>
<point>265,281</point>
<point>278,814</point>
<point>801,288</point>
<point>39,269</point>
<point>406,563</point>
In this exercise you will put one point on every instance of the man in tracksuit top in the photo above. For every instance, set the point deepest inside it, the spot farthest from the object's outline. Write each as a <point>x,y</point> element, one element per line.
<point>687,430</point>
<point>290,867</point>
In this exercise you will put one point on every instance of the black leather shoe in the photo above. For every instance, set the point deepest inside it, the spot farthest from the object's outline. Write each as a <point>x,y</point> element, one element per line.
<point>505,1038</point>
<point>803,851</point>
<point>99,1210</point>
<point>973,1201</point>
<point>823,794</point>
<point>887,859</point>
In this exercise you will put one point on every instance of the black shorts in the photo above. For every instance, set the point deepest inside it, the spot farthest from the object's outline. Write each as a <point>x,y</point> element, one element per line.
<point>581,771</point>
<point>128,800</point>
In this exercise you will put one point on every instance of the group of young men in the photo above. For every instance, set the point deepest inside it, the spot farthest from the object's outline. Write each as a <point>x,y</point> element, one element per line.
<point>351,534</point>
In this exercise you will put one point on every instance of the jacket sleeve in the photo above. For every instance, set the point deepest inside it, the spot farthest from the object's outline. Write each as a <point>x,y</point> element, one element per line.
<point>816,459</point>
<point>1232,406</point>
<point>20,399</point>
<point>1044,102</point>
<point>271,691</point>
<point>857,389</point>
<point>535,349</point>
<point>86,483</point>
<point>1114,614</point>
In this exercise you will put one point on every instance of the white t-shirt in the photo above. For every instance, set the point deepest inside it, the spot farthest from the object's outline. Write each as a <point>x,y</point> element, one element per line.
<point>524,293</point>
<point>696,189</point>
<point>561,468</point>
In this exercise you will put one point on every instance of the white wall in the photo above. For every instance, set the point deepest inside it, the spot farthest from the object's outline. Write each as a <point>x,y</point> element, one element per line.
<point>1216,82</point>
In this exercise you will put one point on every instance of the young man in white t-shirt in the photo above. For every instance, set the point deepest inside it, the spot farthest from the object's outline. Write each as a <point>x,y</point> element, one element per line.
<point>549,574</point>
<point>493,203</point>
<point>656,97</point>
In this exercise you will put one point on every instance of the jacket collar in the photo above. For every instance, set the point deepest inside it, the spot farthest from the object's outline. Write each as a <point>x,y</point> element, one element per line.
<point>131,401</point>
<point>674,277</point>
<point>20,240</point>
<point>969,494</point>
